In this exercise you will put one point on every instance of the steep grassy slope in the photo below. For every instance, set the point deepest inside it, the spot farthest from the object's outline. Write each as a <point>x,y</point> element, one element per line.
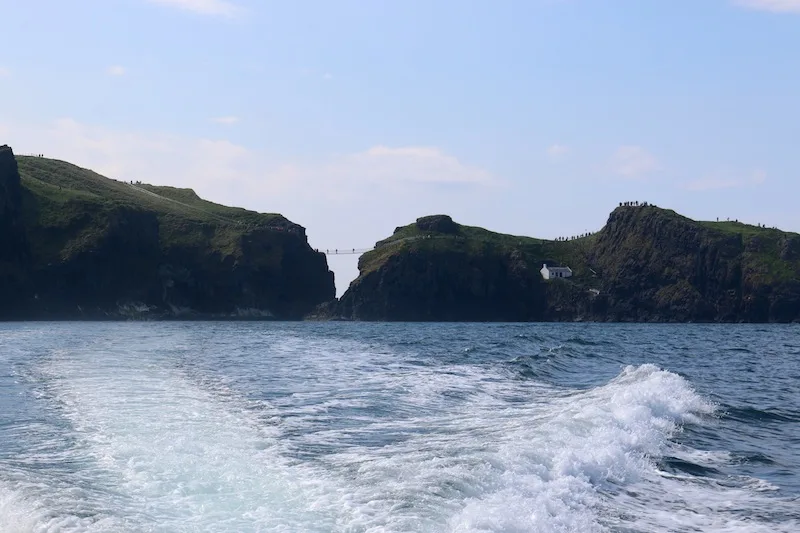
<point>98,247</point>
<point>647,264</point>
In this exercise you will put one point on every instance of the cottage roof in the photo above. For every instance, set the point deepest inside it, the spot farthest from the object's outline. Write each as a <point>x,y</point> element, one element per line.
<point>557,269</point>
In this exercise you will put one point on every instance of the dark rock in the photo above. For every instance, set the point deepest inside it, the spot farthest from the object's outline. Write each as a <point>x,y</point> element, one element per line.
<point>69,257</point>
<point>790,248</point>
<point>446,286</point>
<point>646,265</point>
<point>438,224</point>
<point>658,264</point>
<point>755,245</point>
<point>15,286</point>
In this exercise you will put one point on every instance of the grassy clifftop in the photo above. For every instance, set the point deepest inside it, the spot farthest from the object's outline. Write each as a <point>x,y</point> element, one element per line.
<point>98,247</point>
<point>438,233</point>
<point>766,255</point>
<point>59,195</point>
<point>60,181</point>
<point>646,264</point>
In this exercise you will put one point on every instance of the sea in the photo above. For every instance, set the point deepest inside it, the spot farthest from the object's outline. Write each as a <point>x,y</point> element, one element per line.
<point>374,427</point>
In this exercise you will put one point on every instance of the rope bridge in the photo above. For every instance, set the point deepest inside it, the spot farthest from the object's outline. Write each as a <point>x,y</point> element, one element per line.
<point>354,251</point>
<point>346,251</point>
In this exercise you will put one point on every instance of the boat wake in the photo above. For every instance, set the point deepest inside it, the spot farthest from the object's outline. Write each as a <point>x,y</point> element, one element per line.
<point>373,442</point>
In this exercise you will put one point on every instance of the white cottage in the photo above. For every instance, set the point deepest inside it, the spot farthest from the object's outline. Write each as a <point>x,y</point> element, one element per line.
<point>549,272</point>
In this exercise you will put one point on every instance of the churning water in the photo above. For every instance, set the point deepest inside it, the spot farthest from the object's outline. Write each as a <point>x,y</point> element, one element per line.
<point>231,427</point>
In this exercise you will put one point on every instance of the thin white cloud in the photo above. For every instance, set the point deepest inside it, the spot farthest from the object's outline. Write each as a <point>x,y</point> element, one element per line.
<point>131,155</point>
<point>201,163</point>
<point>221,8</point>
<point>327,76</point>
<point>206,165</point>
<point>557,151</point>
<point>228,121</point>
<point>4,72</point>
<point>711,183</point>
<point>381,171</point>
<point>116,70</point>
<point>774,6</point>
<point>633,162</point>
<point>411,164</point>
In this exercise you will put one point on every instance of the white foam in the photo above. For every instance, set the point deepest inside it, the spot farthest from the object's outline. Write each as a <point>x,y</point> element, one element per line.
<point>179,455</point>
<point>20,512</point>
<point>458,448</point>
<point>602,438</point>
<point>18,515</point>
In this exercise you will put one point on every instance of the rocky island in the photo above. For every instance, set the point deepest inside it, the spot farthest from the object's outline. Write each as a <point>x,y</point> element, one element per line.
<point>646,265</point>
<point>77,245</point>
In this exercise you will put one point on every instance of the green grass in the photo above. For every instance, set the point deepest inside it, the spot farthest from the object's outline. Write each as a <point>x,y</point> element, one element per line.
<point>761,258</point>
<point>745,230</point>
<point>68,210</point>
<point>62,222</point>
<point>183,199</point>
<point>477,241</point>
<point>61,182</point>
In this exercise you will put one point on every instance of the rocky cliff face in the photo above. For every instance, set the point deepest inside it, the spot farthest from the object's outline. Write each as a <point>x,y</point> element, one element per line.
<point>437,270</point>
<point>14,256</point>
<point>647,264</point>
<point>443,285</point>
<point>85,247</point>
<point>666,268</point>
<point>658,266</point>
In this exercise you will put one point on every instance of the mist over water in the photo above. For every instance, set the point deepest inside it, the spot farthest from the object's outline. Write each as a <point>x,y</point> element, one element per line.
<point>220,427</point>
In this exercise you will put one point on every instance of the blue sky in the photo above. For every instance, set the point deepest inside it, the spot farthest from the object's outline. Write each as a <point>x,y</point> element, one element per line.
<point>350,117</point>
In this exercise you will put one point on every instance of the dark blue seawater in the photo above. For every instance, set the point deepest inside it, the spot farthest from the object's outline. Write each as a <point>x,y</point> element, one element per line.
<point>244,427</point>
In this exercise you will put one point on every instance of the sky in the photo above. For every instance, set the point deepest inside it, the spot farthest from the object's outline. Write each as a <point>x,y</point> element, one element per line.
<point>353,117</point>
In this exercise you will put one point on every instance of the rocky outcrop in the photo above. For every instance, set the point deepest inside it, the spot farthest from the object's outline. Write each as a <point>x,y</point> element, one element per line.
<point>790,248</point>
<point>10,197</point>
<point>646,265</point>
<point>437,224</point>
<point>658,266</point>
<point>447,285</point>
<point>14,253</point>
<point>78,246</point>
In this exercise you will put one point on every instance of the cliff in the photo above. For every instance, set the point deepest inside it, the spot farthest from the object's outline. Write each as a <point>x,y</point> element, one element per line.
<point>659,266</point>
<point>647,264</point>
<point>77,245</point>
<point>14,253</point>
